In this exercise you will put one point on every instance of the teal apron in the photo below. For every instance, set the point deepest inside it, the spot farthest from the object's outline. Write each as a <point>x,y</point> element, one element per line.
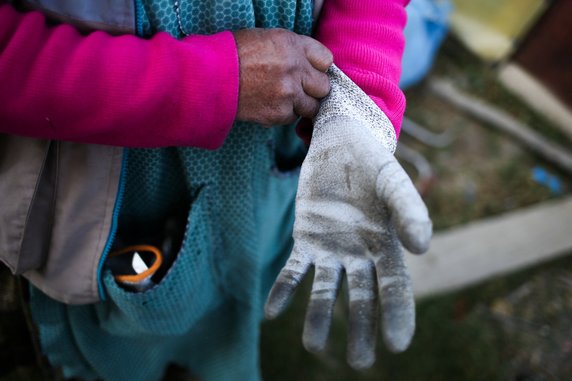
<point>238,203</point>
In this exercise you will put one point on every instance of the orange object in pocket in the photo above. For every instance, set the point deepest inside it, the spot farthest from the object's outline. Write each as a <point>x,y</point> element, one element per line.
<point>142,275</point>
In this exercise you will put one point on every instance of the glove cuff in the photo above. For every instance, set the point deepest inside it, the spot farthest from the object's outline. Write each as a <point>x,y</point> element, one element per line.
<point>346,99</point>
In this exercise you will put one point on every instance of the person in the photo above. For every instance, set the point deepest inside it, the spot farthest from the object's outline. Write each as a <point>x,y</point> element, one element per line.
<point>161,114</point>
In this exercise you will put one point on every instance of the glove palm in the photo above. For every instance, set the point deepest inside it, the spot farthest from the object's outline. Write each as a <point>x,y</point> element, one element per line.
<point>354,207</point>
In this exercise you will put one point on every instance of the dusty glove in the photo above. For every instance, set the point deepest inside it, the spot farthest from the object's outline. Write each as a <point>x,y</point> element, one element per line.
<point>354,208</point>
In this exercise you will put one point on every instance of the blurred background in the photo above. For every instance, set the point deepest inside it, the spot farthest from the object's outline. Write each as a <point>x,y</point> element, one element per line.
<point>488,140</point>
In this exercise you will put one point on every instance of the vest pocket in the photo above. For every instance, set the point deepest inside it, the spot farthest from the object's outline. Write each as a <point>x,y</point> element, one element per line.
<point>28,169</point>
<point>287,152</point>
<point>186,292</point>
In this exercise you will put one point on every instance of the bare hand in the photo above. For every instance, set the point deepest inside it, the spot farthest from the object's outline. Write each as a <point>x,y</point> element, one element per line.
<point>282,75</point>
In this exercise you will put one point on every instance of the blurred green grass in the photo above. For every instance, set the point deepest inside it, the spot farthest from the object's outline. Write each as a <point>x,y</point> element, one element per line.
<point>457,338</point>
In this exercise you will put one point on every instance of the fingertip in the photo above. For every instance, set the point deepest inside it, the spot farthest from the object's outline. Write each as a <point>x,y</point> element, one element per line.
<point>306,107</point>
<point>398,341</point>
<point>362,361</point>
<point>398,313</point>
<point>319,55</point>
<point>313,343</point>
<point>270,311</point>
<point>324,58</point>
<point>398,333</point>
<point>278,300</point>
<point>328,59</point>
<point>416,236</point>
<point>317,325</point>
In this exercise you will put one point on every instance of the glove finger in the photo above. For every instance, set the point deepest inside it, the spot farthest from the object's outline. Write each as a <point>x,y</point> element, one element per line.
<point>396,296</point>
<point>288,280</point>
<point>362,313</point>
<point>407,209</point>
<point>321,306</point>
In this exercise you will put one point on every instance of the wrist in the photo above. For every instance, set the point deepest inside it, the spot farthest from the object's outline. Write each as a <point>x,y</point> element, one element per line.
<point>347,100</point>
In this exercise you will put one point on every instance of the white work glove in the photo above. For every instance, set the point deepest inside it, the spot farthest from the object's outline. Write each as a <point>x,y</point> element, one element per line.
<point>354,208</point>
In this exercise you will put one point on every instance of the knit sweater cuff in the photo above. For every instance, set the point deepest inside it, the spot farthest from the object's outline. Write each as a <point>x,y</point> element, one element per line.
<point>366,38</point>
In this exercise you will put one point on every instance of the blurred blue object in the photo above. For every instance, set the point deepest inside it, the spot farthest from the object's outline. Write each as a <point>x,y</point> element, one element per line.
<point>543,177</point>
<point>427,25</point>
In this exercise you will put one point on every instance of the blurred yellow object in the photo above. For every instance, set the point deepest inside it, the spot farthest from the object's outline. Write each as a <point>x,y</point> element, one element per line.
<point>490,28</point>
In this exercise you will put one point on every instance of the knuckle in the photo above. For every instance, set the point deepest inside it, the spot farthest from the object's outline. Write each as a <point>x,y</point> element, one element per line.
<point>285,89</point>
<point>322,56</point>
<point>282,38</point>
<point>315,109</point>
<point>280,115</point>
<point>287,118</point>
<point>311,109</point>
<point>287,47</point>
<point>322,86</point>
<point>266,120</point>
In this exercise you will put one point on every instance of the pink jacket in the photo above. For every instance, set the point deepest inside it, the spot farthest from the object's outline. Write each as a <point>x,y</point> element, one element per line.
<point>127,91</point>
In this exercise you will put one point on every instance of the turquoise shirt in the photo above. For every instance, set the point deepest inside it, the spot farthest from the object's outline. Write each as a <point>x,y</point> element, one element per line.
<point>238,206</point>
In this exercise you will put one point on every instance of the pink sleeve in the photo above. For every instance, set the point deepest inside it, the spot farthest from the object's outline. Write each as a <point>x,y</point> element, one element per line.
<point>366,37</point>
<point>124,90</point>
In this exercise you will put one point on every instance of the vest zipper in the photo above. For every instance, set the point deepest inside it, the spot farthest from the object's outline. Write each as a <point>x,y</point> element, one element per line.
<point>139,14</point>
<point>114,223</point>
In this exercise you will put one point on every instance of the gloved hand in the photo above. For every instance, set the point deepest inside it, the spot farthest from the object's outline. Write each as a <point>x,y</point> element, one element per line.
<point>354,208</point>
